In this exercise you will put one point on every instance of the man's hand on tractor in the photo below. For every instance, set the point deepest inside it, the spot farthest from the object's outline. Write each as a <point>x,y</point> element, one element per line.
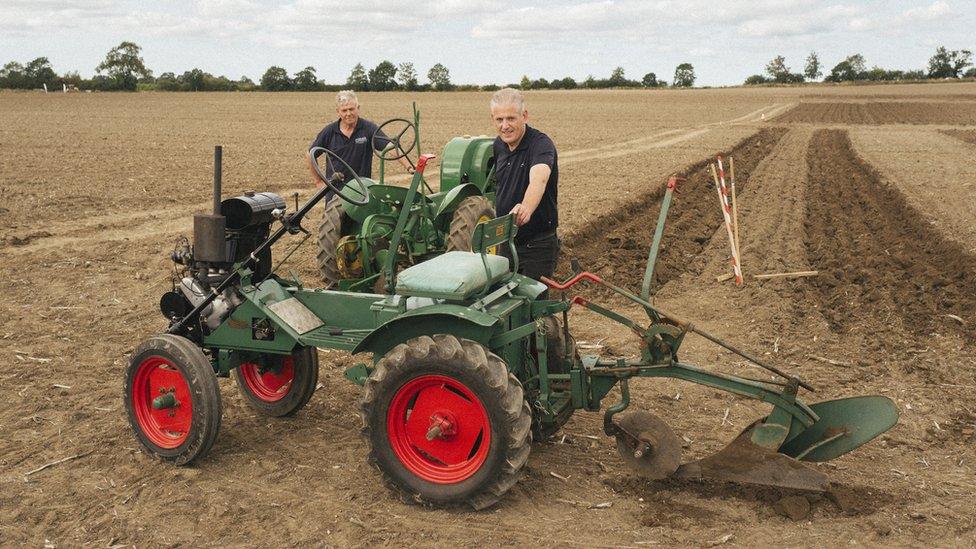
<point>522,213</point>
<point>407,165</point>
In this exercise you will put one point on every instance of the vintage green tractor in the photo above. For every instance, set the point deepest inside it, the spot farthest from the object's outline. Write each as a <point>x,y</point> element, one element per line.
<point>354,235</point>
<point>468,363</point>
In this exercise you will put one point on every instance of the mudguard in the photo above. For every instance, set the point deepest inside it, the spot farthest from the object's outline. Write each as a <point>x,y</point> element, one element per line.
<point>456,320</point>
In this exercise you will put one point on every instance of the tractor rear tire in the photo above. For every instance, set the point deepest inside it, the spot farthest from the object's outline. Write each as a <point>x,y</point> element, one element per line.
<point>184,427</point>
<point>446,422</point>
<point>283,389</point>
<point>330,231</point>
<point>471,211</point>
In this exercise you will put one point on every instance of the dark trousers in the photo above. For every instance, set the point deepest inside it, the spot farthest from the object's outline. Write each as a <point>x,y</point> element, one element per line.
<point>537,255</point>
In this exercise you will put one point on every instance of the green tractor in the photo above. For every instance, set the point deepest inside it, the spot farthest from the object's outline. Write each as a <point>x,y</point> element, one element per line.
<point>354,235</point>
<point>469,363</point>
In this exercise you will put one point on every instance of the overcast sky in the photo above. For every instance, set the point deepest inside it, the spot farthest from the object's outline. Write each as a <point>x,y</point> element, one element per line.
<point>485,42</point>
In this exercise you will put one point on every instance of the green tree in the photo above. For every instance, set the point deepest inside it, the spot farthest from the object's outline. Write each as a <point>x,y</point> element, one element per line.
<point>777,69</point>
<point>756,79</point>
<point>650,80</point>
<point>357,78</point>
<point>617,77</point>
<point>812,69</point>
<point>383,77</point>
<point>850,69</point>
<point>276,79</point>
<point>305,80</point>
<point>407,76</point>
<point>684,76</point>
<point>39,72</point>
<point>949,64</point>
<point>525,83</point>
<point>440,77</point>
<point>12,76</point>
<point>193,80</point>
<point>124,65</point>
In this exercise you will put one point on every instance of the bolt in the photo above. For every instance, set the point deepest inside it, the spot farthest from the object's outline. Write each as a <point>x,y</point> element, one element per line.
<point>642,449</point>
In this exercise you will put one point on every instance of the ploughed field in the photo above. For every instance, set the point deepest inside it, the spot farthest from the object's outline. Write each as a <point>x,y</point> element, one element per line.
<point>874,187</point>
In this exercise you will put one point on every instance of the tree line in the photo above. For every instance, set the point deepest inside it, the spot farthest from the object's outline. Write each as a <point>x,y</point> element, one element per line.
<point>124,69</point>
<point>943,64</point>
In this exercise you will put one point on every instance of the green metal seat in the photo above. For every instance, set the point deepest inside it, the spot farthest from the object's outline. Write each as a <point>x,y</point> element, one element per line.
<point>458,276</point>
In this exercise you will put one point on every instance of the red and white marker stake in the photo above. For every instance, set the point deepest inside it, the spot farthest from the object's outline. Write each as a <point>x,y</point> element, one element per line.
<point>727,214</point>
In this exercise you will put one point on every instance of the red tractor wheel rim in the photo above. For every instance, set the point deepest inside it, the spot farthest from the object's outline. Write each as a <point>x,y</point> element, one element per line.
<point>167,427</point>
<point>271,385</point>
<point>455,452</point>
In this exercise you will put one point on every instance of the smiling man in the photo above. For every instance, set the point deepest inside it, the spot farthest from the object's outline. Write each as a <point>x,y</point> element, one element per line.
<point>351,138</point>
<point>527,173</point>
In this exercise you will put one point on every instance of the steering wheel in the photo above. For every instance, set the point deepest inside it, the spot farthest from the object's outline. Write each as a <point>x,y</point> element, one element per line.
<point>398,151</point>
<point>328,181</point>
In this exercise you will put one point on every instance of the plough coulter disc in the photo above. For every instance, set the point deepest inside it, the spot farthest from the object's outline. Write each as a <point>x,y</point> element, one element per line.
<point>656,453</point>
<point>742,461</point>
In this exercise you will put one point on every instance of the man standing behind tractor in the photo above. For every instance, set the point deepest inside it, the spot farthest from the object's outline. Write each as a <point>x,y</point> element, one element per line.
<point>527,174</point>
<point>350,137</point>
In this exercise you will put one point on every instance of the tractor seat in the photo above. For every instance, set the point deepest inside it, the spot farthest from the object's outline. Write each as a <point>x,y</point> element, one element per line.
<point>454,276</point>
<point>457,276</point>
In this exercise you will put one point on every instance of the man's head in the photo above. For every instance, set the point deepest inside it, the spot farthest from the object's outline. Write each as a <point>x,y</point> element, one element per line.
<point>347,107</point>
<point>509,115</point>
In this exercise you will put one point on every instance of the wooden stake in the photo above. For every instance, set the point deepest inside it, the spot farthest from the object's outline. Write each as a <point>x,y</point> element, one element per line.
<point>796,274</point>
<point>735,213</point>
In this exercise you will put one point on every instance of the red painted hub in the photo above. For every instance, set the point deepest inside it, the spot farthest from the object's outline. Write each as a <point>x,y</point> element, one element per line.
<point>438,429</point>
<point>269,384</point>
<point>166,427</point>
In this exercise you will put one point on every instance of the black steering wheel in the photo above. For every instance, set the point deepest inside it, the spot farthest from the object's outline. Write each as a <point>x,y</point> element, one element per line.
<point>398,151</point>
<point>337,175</point>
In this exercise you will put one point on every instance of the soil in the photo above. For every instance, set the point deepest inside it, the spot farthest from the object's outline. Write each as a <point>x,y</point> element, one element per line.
<point>84,261</point>
<point>883,112</point>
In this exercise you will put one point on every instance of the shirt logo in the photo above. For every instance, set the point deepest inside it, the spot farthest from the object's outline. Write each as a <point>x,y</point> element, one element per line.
<point>360,140</point>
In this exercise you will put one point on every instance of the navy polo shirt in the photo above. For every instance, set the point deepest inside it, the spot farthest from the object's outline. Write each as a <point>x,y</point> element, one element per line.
<point>512,177</point>
<point>356,149</point>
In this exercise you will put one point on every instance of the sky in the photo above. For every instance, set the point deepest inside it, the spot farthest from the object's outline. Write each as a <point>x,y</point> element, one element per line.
<point>485,42</point>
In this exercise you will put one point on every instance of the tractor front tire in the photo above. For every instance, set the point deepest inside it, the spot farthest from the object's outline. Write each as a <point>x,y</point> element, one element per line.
<point>446,423</point>
<point>282,385</point>
<point>471,211</point>
<point>172,399</point>
<point>330,231</point>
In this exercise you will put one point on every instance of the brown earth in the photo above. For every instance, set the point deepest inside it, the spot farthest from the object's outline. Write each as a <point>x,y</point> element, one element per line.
<point>882,112</point>
<point>82,280</point>
<point>969,136</point>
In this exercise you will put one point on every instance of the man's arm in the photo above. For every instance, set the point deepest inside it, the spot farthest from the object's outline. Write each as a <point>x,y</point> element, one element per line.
<point>538,178</point>
<point>315,176</point>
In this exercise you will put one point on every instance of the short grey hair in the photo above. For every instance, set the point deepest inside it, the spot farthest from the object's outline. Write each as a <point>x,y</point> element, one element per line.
<point>508,96</point>
<point>346,96</point>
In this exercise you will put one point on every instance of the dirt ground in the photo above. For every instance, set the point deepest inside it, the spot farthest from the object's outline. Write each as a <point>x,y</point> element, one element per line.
<point>97,187</point>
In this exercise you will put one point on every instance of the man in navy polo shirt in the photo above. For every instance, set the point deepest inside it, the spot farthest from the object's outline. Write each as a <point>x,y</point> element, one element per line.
<point>350,137</point>
<point>527,174</point>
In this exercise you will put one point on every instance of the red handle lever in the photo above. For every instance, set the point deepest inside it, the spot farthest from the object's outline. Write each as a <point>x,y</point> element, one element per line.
<point>572,281</point>
<point>422,162</point>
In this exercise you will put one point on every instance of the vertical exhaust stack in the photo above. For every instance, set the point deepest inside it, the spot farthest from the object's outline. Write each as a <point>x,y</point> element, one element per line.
<point>209,241</point>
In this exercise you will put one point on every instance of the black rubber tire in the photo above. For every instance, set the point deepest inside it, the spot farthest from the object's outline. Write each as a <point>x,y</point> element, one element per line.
<point>199,375</point>
<point>483,373</point>
<point>556,351</point>
<point>306,367</point>
<point>465,219</point>
<point>330,231</point>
